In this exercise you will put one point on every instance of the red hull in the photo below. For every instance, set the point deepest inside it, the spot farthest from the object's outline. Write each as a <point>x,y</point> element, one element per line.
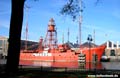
<point>89,52</point>
<point>67,56</point>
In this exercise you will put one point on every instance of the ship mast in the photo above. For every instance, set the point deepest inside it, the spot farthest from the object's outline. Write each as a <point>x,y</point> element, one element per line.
<point>68,34</point>
<point>26,36</point>
<point>26,30</point>
<point>77,40</point>
<point>94,37</point>
<point>80,23</point>
<point>63,38</point>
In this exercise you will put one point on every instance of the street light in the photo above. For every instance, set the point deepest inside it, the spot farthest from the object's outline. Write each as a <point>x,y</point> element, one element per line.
<point>89,41</point>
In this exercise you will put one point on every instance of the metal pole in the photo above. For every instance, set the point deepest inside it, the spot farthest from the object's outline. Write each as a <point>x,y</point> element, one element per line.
<point>80,22</point>
<point>94,37</point>
<point>89,42</point>
<point>68,35</point>
<point>80,33</point>
<point>63,39</point>
<point>89,55</point>
<point>27,8</point>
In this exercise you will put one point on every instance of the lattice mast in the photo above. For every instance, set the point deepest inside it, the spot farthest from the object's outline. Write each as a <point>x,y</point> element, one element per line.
<point>51,36</point>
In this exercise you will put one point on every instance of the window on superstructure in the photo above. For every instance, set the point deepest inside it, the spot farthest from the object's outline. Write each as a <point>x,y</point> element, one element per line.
<point>0,43</point>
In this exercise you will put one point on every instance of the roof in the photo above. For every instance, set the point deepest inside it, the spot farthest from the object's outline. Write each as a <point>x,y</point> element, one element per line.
<point>86,44</point>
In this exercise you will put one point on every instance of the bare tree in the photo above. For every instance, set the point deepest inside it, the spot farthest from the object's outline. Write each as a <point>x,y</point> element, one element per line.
<point>73,8</point>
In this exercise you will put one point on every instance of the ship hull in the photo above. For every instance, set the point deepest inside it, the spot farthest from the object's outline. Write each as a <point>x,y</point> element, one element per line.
<point>93,54</point>
<point>67,56</point>
<point>63,57</point>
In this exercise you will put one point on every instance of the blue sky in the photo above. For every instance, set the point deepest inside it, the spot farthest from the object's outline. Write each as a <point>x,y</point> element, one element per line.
<point>103,18</point>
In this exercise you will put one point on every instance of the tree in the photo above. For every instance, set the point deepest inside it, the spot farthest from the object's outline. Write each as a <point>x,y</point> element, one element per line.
<point>73,8</point>
<point>15,36</point>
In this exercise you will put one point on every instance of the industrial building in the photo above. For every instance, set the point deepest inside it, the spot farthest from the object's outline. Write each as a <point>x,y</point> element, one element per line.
<point>3,46</point>
<point>112,50</point>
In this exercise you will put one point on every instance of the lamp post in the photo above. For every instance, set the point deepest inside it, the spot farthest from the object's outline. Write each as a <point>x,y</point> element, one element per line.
<point>89,41</point>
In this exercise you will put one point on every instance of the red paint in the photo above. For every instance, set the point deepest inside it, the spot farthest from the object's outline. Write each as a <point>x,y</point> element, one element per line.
<point>67,56</point>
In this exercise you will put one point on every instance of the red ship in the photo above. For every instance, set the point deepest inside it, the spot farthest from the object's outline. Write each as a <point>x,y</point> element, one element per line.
<point>49,50</point>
